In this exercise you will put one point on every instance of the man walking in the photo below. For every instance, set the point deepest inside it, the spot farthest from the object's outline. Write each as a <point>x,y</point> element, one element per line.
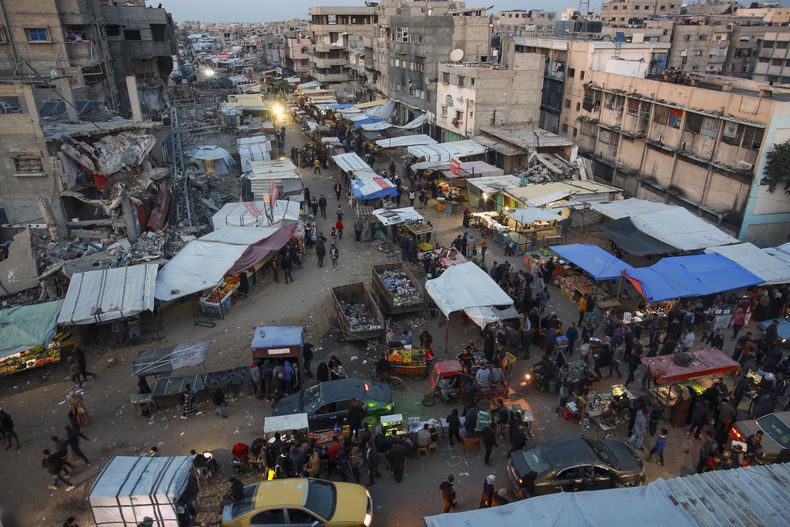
<point>372,459</point>
<point>218,398</point>
<point>7,429</point>
<point>448,493</point>
<point>320,249</point>
<point>489,441</point>
<point>73,436</point>
<point>338,189</point>
<point>53,463</point>
<point>82,363</point>
<point>316,166</point>
<point>287,265</point>
<point>322,206</point>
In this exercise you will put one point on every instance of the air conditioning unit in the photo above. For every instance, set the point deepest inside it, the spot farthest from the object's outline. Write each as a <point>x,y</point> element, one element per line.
<point>743,165</point>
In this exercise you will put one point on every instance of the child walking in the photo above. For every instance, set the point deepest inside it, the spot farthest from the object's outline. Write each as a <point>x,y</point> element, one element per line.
<point>334,254</point>
<point>658,448</point>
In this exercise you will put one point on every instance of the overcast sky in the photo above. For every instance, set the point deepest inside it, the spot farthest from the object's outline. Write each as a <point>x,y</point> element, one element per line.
<point>272,10</point>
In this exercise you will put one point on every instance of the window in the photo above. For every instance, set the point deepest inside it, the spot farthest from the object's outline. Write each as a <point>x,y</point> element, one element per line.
<point>768,44</point>
<point>271,517</point>
<point>662,8</point>
<point>567,103</point>
<point>448,101</point>
<point>571,73</point>
<point>472,81</point>
<point>675,116</point>
<point>581,75</point>
<point>401,34</point>
<point>132,34</point>
<point>446,78</point>
<point>28,166</point>
<point>578,106</point>
<point>37,34</point>
<point>776,62</point>
<point>444,111</point>
<point>633,107</point>
<point>781,45</point>
<point>694,123</point>
<point>2,36</point>
<point>461,81</point>
<point>702,37</point>
<point>752,137</point>
<point>660,114</point>
<point>574,132</point>
<point>564,128</point>
<point>588,129</point>
<point>158,32</point>
<point>300,516</point>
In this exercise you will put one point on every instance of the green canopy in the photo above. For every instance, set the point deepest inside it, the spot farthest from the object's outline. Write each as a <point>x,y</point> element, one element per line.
<point>25,327</point>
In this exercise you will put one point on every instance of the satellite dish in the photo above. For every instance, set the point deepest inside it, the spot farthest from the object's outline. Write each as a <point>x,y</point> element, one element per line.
<point>456,55</point>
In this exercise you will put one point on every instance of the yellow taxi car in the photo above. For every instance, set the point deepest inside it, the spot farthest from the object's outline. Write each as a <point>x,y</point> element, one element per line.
<point>300,502</point>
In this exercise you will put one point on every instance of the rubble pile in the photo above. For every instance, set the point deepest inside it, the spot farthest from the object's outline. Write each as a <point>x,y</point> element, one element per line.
<point>360,317</point>
<point>401,288</point>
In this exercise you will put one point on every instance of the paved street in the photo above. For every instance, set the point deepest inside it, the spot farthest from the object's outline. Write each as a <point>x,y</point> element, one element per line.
<point>36,399</point>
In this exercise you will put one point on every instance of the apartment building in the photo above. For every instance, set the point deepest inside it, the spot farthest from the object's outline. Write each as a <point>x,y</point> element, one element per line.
<point>702,145</point>
<point>769,15</point>
<point>659,30</point>
<point>745,44</point>
<point>522,22</point>
<point>337,30</point>
<point>295,51</point>
<point>624,13</point>
<point>472,95</point>
<point>93,43</point>
<point>773,61</point>
<point>699,47</point>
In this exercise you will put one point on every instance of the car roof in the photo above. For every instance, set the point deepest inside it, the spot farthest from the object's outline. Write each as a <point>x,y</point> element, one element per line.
<point>782,416</point>
<point>342,389</point>
<point>289,492</point>
<point>569,451</point>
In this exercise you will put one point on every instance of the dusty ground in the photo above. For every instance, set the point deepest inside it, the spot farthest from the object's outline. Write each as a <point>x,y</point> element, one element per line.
<point>36,399</point>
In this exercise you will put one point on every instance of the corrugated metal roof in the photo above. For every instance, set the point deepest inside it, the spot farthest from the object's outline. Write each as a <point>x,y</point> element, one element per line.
<point>109,294</point>
<point>351,162</point>
<point>757,495</point>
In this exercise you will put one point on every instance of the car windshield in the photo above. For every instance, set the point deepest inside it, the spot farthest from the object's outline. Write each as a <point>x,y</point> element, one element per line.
<point>603,453</point>
<point>536,459</point>
<point>321,498</point>
<point>311,399</point>
<point>374,391</point>
<point>776,429</point>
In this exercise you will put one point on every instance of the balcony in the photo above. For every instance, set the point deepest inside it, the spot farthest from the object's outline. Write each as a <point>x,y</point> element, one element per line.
<point>328,62</point>
<point>331,77</point>
<point>323,47</point>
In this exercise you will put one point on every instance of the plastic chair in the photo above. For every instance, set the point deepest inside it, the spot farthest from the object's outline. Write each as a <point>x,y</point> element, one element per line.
<point>422,450</point>
<point>433,446</point>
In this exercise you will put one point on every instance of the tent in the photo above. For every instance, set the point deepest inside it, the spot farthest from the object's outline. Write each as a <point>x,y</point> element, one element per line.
<point>529,215</point>
<point>598,263</point>
<point>373,188</point>
<point>411,125</point>
<point>203,263</point>
<point>163,361</point>
<point>771,269</point>
<point>482,316</point>
<point>681,229</point>
<point>389,217</point>
<point>256,148</point>
<point>685,276</point>
<point>443,152</point>
<point>406,140</point>
<point>782,252</point>
<point>130,488</point>
<point>624,233</point>
<point>351,162</point>
<point>109,294</point>
<point>26,327</point>
<point>464,286</point>
<point>212,159</point>
<point>254,213</point>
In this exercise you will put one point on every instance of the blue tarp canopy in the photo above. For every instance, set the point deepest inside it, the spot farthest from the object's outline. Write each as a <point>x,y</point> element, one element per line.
<point>598,263</point>
<point>340,106</point>
<point>373,188</point>
<point>685,276</point>
<point>277,336</point>
<point>369,120</point>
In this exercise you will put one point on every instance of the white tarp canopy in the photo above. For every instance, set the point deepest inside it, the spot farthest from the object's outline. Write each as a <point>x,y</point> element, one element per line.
<point>482,316</point>
<point>383,111</point>
<point>274,169</point>
<point>551,197</point>
<point>256,148</point>
<point>492,184</point>
<point>200,265</point>
<point>464,286</point>
<point>221,160</point>
<point>376,127</point>
<point>350,162</point>
<point>529,215</point>
<point>349,111</point>
<point>284,423</point>
<point>447,151</point>
<point>130,488</point>
<point>782,252</point>
<point>628,207</point>
<point>309,85</point>
<point>109,294</point>
<point>395,216</point>
<point>757,261</point>
<point>405,140</point>
<point>681,229</point>
<point>253,213</point>
<point>239,235</point>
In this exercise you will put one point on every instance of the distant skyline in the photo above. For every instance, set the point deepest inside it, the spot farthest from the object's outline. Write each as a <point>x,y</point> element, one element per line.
<point>273,10</point>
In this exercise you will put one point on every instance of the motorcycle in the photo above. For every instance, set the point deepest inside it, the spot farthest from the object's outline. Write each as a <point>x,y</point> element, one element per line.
<point>445,390</point>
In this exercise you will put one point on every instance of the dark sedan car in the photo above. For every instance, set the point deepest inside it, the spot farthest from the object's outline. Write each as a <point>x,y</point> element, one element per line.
<point>576,463</point>
<point>326,404</point>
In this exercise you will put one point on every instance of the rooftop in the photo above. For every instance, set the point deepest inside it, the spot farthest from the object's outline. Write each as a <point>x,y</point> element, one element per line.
<point>65,130</point>
<point>525,137</point>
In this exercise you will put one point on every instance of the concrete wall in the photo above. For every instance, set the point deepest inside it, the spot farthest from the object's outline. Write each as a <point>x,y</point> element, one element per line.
<point>698,48</point>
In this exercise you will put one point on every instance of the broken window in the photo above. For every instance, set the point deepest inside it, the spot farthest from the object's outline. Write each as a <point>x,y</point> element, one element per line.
<point>694,123</point>
<point>112,30</point>
<point>752,137</point>
<point>132,34</point>
<point>28,166</point>
<point>159,32</point>
<point>633,106</point>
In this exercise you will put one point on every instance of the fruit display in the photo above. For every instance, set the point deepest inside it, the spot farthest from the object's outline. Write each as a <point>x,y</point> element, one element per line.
<point>30,358</point>
<point>407,357</point>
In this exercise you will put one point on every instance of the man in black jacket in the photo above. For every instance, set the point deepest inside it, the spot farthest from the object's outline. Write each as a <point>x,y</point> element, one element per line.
<point>54,465</point>
<point>73,436</point>
<point>397,459</point>
<point>489,441</point>
<point>355,413</point>
<point>372,459</point>
<point>218,398</point>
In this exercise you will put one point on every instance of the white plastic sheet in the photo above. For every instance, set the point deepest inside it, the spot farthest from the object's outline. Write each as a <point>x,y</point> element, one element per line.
<point>464,286</point>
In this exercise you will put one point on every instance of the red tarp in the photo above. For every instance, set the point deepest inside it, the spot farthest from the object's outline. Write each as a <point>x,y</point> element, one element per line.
<point>260,250</point>
<point>710,361</point>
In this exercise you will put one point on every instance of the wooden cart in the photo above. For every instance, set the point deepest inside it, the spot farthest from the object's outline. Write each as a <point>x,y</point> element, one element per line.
<point>357,294</point>
<point>408,363</point>
<point>389,303</point>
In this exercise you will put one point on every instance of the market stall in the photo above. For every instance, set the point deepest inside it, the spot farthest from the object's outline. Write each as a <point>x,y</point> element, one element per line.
<point>670,374</point>
<point>600,268</point>
<point>129,489</point>
<point>28,337</point>
<point>163,361</point>
<point>441,259</point>
<point>529,223</point>
<point>409,362</point>
<point>285,425</point>
<point>358,316</point>
<point>408,220</point>
<point>493,224</point>
<point>397,289</point>
<point>278,342</point>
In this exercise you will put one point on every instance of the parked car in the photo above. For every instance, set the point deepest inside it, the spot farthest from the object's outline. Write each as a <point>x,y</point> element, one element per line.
<point>576,463</point>
<point>326,404</point>
<point>301,502</point>
<point>776,433</point>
